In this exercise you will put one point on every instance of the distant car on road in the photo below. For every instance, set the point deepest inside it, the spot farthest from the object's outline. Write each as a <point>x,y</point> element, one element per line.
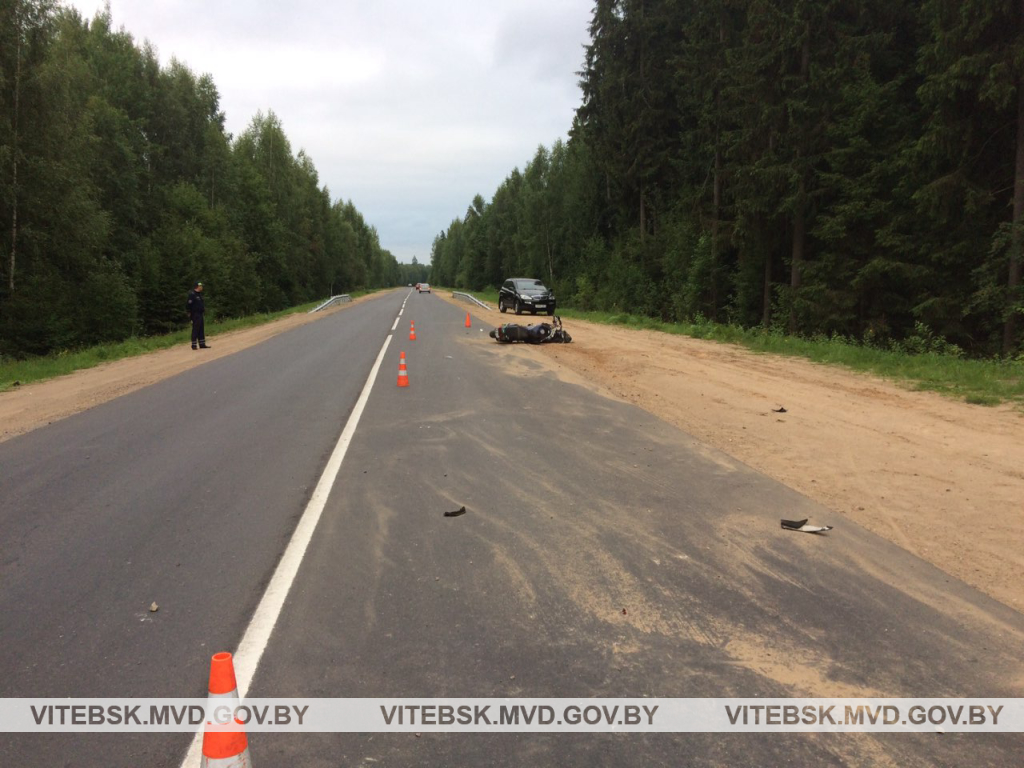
<point>424,288</point>
<point>525,293</point>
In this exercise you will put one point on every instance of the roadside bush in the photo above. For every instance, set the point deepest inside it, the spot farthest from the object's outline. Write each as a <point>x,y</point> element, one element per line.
<point>924,341</point>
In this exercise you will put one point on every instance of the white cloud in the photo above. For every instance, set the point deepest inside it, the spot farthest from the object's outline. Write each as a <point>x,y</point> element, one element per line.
<point>408,108</point>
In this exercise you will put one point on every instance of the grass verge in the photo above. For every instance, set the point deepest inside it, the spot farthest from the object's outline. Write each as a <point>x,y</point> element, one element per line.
<point>979,382</point>
<point>17,372</point>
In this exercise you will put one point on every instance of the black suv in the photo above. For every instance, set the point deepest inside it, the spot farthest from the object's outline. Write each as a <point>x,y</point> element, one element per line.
<point>522,293</point>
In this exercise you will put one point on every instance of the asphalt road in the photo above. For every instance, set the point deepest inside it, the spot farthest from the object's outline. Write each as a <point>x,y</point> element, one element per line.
<point>603,553</point>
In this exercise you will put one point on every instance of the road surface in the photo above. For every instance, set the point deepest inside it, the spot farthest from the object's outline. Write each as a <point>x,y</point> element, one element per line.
<point>603,553</point>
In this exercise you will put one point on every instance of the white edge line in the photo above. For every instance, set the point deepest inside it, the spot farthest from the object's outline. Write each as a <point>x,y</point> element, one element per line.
<point>257,634</point>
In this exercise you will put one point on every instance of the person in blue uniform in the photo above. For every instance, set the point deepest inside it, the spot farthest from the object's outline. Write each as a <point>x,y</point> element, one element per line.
<point>194,307</point>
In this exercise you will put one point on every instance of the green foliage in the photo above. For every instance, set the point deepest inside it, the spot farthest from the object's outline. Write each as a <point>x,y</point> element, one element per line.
<point>119,188</point>
<point>691,304</point>
<point>842,167</point>
<point>414,273</point>
<point>924,341</point>
<point>108,307</point>
<point>37,316</point>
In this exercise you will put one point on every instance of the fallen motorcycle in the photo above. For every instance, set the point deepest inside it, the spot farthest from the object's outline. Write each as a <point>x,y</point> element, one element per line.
<point>541,333</point>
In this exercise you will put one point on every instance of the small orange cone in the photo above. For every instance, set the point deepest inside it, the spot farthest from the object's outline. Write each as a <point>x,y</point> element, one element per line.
<point>403,373</point>
<point>469,323</point>
<point>412,331</point>
<point>224,749</point>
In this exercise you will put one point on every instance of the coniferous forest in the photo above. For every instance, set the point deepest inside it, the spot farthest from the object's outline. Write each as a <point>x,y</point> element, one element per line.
<point>119,187</point>
<point>847,168</point>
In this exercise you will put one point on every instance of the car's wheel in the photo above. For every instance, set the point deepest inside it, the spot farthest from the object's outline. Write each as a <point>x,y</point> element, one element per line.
<point>501,305</point>
<point>519,307</point>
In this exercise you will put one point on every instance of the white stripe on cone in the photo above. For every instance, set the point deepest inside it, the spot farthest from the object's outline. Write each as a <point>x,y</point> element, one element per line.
<point>238,761</point>
<point>242,759</point>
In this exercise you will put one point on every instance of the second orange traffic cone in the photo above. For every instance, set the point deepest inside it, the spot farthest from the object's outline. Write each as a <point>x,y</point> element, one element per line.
<point>403,373</point>
<point>469,323</point>
<point>224,749</point>
<point>412,331</point>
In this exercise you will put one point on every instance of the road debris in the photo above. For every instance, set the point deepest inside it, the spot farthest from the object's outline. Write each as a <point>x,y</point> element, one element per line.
<point>154,608</point>
<point>780,409</point>
<point>456,513</point>
<point>801,525</point>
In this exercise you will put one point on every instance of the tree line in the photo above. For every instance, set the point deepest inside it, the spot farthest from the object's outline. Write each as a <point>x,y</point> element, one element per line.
<point>836,167</point>
<point>119,187</point>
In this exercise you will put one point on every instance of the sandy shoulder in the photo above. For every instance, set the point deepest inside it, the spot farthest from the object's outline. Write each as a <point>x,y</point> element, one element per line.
<point>34,405</point>
<point>940,478</point>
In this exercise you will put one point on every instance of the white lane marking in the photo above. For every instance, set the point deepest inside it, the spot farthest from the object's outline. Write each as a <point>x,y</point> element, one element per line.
<point>257,634</point>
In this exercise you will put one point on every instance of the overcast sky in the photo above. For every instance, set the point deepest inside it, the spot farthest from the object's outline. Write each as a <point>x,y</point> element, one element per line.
<point>407,108</point>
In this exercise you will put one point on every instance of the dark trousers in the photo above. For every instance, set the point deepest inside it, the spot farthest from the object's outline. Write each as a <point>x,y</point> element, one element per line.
<point>198,330</point>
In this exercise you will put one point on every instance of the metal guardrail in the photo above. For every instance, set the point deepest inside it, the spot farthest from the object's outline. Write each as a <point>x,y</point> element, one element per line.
<point>474,299</point>
<point>339,299</point>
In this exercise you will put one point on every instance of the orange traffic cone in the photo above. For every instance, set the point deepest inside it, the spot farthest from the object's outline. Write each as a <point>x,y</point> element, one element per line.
<point>403,373</point>
<point>224,749</point>
<point>469,323</point>
<point>412,331</point>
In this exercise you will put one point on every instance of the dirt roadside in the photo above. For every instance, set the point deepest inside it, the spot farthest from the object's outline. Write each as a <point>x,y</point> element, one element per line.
<point>940,478</point>
<point>35,405</point>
